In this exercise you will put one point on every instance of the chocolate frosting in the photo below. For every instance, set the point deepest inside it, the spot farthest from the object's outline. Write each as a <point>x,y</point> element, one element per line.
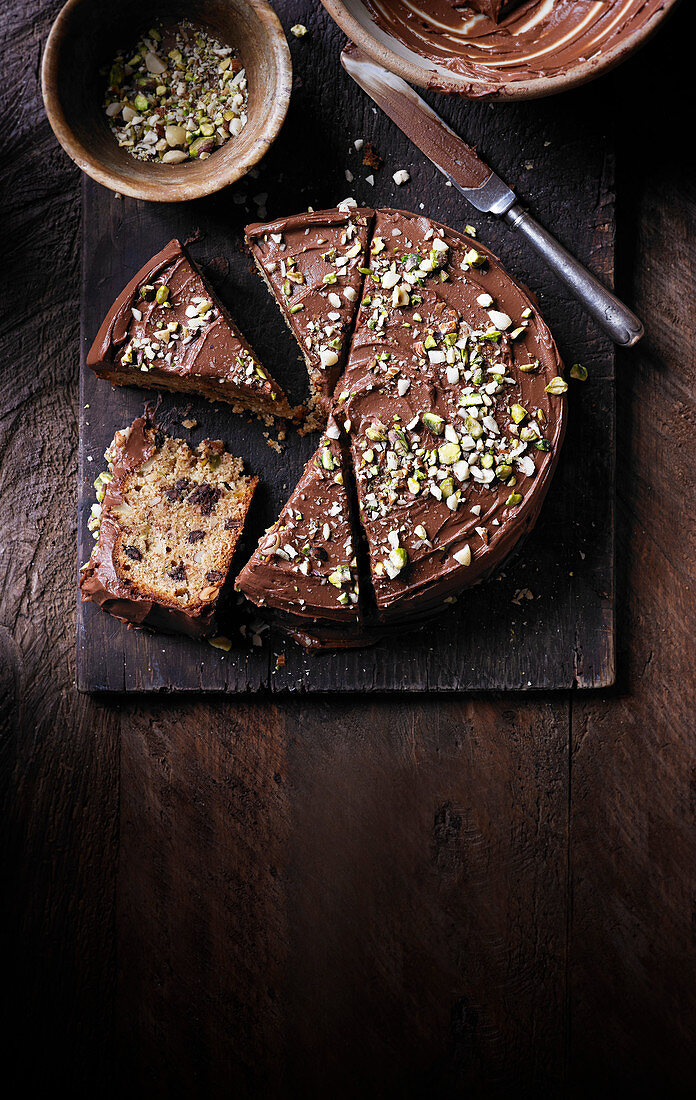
<point>205,352</point>
<point>101,583</point>
<point>390,381</point>
<point>496,46</point>
<point>312,264</point>
<point>304,566</point>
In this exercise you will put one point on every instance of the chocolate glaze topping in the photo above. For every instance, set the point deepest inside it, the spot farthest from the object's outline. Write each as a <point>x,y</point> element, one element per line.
<point>305,565</point>
<point>497,45</point>
<point>167,329</point>
<point>440,449</point>
<point>427,400</point>
<point>312,264</point>
<point>452,438</point>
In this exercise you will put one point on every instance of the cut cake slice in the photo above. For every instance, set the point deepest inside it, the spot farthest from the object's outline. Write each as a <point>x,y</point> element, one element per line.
<point>168,330</point>
<point>305,566</point>
<point>168,525</point>
<point>315,265</point>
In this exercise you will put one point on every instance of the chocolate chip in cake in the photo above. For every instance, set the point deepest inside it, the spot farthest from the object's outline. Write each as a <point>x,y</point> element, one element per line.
<point>196,536</point>
<point>213,576</point>
<point>205,497</point>
<point>178,489</point>
<point>133,553</point>
<point>178,573</point>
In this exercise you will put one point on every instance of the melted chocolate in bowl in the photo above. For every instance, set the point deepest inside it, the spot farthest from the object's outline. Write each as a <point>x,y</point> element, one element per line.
<point>531,39</point>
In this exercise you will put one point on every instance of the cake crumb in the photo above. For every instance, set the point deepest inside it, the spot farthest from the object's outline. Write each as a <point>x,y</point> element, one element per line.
<point>371,158</point>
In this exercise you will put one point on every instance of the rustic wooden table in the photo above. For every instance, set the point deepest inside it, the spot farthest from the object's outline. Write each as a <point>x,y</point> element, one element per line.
<point>490,896</point>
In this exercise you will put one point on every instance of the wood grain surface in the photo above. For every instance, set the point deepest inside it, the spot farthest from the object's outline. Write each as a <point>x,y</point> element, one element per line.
<point>546,620</point>
<point>302,896</point>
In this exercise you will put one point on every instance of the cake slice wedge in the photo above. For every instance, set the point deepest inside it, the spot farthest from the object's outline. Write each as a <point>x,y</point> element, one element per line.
<point>168,523</point>
<point>315,265</point>
<point>168,330</point>
<point>305,566</point>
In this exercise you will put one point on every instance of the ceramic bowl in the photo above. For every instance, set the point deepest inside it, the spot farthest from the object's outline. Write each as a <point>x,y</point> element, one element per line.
<point>86,36</point>
<point>354,18</point>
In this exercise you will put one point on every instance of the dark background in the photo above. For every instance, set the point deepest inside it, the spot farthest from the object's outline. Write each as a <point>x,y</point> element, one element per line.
<point>484,896</point>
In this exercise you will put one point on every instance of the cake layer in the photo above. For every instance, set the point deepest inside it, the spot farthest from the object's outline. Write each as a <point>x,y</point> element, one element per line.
<point>314,263</point>
<point>168,525</point>
<point>168,330</point>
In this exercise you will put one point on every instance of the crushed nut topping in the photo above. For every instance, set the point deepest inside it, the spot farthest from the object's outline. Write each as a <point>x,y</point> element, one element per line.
<point>178,96</point>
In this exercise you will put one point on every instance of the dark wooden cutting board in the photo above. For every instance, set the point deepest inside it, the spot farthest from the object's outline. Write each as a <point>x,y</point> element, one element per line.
<point>547,621</point>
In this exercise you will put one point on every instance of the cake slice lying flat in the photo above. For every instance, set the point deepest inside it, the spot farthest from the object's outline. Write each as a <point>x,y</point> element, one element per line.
<point>314,264</point>
<point>305,565</point>
<point>168,526</point>
<point>167,330</point>
<point>455,410</point>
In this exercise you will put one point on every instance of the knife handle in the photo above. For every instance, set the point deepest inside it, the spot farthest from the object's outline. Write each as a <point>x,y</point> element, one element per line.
<point>617,320</point>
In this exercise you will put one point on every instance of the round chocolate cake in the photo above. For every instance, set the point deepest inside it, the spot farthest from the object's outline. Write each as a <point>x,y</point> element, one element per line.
<point>445,432</point>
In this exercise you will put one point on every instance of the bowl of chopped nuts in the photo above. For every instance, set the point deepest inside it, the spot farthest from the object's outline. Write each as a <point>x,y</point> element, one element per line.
<point>172,108</point>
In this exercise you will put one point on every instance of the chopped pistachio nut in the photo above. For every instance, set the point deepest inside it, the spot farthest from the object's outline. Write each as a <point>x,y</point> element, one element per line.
<point>178,96</point>
<point>557,386</point>
<point>578,372</point>
<point>299,30</point>
<point>435,423</point>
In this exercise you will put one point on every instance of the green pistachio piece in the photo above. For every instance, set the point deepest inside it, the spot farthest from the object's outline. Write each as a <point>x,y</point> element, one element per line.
<point>578,372</point>
<point>449,453</point>
<point>504,471</point>
<point>340,576</point>
<point>162,295</point>
<point>473,427</point>
<point>518,413</point>
<point>398,557</point>
<point>141,102</point>
<point>327,460</point>
<point>435,423</point>
<point>474,258</point>
<point>556,386</point>
<point>376,432</point>
<point>513,499</point>
<point>201,145</point>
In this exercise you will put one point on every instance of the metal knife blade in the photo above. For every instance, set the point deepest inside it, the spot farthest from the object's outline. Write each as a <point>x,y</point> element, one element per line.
<point>487,192</point>
<point>455,159</point>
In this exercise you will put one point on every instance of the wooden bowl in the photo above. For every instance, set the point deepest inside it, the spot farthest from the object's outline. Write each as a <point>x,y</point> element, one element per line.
<point>86,36</point>
<point>355,20</point>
